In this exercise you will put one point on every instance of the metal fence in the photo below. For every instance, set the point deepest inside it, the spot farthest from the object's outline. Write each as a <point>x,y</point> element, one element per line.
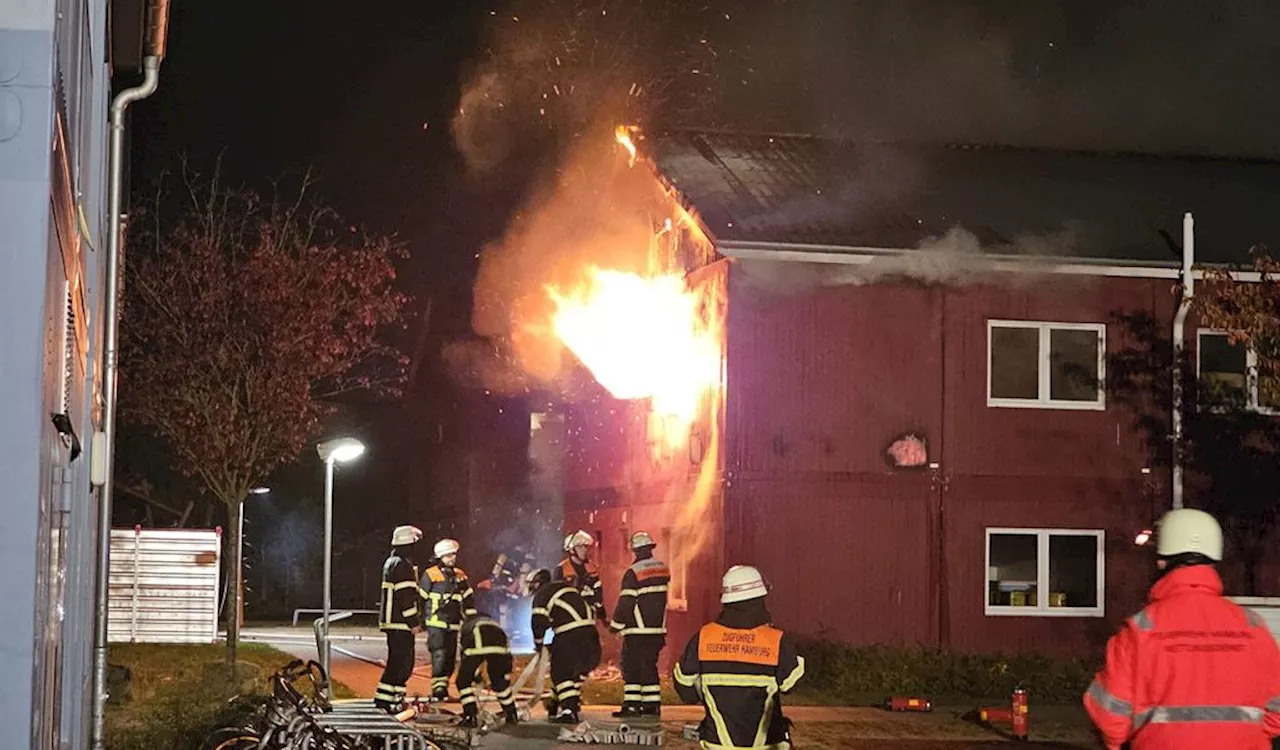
<point>164,585</point>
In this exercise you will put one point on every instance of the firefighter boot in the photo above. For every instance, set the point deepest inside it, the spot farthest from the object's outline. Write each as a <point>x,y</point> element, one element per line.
<point>566,716</point>
<point>628,712</point>
<point>509,713</point>
<point>469,718</point>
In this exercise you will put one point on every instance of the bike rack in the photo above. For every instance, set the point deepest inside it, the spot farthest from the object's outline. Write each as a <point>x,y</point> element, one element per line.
<point>361,719</point>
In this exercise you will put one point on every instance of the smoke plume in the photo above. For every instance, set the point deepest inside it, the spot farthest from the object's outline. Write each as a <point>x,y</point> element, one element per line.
<point>955,258</point>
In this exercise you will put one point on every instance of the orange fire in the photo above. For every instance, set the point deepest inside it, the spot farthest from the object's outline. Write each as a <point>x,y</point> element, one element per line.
<point>642,338</point>
<point>623,136</point>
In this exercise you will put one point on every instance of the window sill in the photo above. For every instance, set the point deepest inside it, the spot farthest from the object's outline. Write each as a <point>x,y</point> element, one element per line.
<point>1010,403</point>
<point>998,611</point>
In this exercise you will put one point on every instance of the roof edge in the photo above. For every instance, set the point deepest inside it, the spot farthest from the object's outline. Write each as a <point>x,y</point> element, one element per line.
<point>853,256</point>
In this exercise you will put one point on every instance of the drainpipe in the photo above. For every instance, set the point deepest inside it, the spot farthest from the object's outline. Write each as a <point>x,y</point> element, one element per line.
<point>1179,336</point>
<point>104,441</point>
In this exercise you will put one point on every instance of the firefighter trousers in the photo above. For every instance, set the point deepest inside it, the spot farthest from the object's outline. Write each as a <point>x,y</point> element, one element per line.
<point>444,655</point>
<point>391,688</point>
<point>574,653</point>
<point>640,670</point>
<point>498,667</point>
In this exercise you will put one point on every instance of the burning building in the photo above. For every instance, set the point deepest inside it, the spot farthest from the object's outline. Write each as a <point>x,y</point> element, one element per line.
<point>881,374</point>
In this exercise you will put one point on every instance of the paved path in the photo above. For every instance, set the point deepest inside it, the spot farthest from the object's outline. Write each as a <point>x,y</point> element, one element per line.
<point>357,653</point>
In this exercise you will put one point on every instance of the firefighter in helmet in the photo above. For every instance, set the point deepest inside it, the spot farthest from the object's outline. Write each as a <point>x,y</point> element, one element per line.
<point>641,617</point>
<point>1193,669</point>
<point>738,667</point>
<point>399,616</point>
<point>484,644</point>
<point>449,597</point>
<point>575,646</point>
<point>580,572</point>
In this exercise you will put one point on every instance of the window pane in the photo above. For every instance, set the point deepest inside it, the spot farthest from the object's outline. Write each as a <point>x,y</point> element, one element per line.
<point>1223,370</point>
<point>1015,362</point>
<point>1268,380</point>
<point>1011,580</point>
<point>1073,365</point>
<point>1268,391</point>
<point>1073,571</point>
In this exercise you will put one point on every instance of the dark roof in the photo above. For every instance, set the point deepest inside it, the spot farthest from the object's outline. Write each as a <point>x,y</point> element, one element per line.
<point>791,189</point>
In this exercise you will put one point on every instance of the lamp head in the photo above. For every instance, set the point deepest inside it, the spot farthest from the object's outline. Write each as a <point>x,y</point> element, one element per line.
<point>340,450</point>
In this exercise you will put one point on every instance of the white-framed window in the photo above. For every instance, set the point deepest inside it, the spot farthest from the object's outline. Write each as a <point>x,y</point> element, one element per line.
<point>678,564</point>
<point>1229,376</point>
<point>1045,572</point>
<point>1041,365</point>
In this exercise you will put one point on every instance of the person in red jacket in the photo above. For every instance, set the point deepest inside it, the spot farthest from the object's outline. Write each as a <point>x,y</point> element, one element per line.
<point>1192,671</point>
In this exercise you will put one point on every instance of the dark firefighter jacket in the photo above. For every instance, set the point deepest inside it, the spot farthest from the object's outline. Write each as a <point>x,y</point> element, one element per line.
<point>586,578</point>
<point>1192,670</point>
<point>559,607</point>
<point>401,604</point>
<point>739,667</point>
<point>482,636</point>
<point>448,595</point>
<point>642,600</point>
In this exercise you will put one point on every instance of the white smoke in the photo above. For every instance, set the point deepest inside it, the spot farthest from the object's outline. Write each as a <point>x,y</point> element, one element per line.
<point>956,258</point>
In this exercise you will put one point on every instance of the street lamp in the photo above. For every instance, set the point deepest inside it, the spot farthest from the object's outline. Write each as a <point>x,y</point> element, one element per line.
<point>337,450</point>
<point>240,556</point>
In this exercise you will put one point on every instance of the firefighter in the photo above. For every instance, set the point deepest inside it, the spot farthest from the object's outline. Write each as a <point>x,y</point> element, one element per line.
<point>738,667</point>
<point>575,646</point>
<point>579,571</point>
<point>1192,670</point>
<point>641,617</point>
<point>399,616</point>
<point>448,597</point>
<point>484,644</point>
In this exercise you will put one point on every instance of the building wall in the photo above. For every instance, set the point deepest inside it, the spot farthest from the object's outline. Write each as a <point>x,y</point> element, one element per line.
<point>821,381</point>
<point>53,89</point>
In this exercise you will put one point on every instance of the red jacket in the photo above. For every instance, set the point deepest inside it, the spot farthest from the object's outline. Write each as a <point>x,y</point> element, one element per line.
<point>1192,671</point>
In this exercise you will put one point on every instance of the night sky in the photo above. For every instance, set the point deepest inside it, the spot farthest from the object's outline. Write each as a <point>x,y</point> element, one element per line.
<point>367,96</point>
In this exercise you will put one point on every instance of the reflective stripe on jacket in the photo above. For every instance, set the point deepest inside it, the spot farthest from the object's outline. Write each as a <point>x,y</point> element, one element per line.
<point>642,600</point>
<point>1192,670</point>
<point>559,607</point>
<point>739,676</point>
<point>482,636</point>
<point>586,578</point>
<point>399,606</point>
<point>449,597</point>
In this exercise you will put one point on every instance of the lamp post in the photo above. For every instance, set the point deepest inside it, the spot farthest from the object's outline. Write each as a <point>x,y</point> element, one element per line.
<point>240,552</point>
<point>337,450</point>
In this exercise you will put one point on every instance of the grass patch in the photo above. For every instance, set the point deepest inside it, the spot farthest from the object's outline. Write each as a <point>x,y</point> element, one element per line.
<point>839,674</point>
<point>177,694</point>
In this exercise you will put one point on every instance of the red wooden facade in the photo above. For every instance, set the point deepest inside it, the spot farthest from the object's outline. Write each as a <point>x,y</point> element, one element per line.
<point>817,386</point>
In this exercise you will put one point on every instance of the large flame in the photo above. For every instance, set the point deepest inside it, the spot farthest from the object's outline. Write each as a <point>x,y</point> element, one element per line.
<point>642,338</point>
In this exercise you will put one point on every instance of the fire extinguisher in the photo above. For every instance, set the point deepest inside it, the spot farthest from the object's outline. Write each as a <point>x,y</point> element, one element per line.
<point>1021,714</point>
<point>907,703</point>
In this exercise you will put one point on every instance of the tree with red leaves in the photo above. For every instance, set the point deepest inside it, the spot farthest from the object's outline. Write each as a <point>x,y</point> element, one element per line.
<point>1244,491</point>
<point>242,323</point>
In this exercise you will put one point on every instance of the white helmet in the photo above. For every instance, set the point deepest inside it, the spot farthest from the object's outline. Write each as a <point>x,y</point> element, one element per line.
<point>446,547</point>
<point>405,535</point>
<point>1189,530</point>
<point>740,583</point>
<point>578,538</point>
<point>641,539</point>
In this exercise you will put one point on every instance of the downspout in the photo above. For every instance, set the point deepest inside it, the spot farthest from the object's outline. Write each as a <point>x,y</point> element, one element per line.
<point>103,457</point>
<point>1179,342</point>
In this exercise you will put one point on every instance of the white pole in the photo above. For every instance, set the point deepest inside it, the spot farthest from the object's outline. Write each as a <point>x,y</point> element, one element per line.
<point>1179,343</point>
<point>328,560</point>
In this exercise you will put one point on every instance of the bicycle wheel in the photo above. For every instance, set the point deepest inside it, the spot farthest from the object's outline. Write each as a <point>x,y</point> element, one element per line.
<point>231,738</point>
